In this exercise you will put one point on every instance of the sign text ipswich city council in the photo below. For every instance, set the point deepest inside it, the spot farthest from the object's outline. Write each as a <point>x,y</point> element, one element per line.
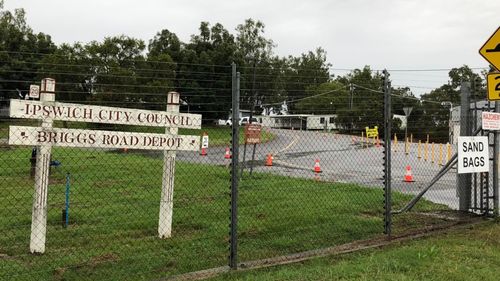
<point>101,114</point>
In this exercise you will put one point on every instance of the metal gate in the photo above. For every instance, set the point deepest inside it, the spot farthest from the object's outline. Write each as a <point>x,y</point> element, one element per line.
<point>440,196</point>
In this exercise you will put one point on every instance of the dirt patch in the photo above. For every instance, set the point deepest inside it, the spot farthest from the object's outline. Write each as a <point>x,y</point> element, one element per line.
<point>166,267</point>
<point>104,258</point>
<point>5,257</point>
<point>59,273</point>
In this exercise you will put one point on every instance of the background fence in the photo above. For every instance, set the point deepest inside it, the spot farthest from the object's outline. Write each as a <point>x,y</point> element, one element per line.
<point>315,181</point>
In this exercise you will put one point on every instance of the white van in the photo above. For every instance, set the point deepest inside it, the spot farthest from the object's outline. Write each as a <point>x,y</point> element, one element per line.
<point>246,120</point>
<point>242,121</point>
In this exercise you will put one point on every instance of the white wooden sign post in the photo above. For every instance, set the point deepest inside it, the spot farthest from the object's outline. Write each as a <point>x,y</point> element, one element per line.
<point>167,188</point>
<point>46,136</point>
<point>39,212</point>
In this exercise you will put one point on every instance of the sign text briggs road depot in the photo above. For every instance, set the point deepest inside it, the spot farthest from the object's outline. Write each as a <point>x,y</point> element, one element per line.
<point>102,114</point>
<point>19,135</point>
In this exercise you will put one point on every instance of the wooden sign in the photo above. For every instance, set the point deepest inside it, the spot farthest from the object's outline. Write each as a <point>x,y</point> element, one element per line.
<point>253,133</point>
<point>45,137</point>
<point>102,114</point>
<point>19,135</point>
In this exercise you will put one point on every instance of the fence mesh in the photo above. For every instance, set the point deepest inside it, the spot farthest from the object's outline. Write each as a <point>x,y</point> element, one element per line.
<point>314,181</point>
<point>421,153</point>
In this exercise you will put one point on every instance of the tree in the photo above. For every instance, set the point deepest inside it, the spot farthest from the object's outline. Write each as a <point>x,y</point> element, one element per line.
<point>165,42</point>
<point>435,115</point>
<point>20,52</point>
<point>327,98</point>
<point>365,107</point>
<point>307,71</point>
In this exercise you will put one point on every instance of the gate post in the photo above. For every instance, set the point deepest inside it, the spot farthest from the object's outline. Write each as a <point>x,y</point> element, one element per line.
<point>464,181</point>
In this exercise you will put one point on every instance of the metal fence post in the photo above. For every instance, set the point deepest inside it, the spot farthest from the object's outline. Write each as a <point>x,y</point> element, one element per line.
<point>496,151</point>
<point>233,255</point>
<point>387,156</point>
<point>464,180</point>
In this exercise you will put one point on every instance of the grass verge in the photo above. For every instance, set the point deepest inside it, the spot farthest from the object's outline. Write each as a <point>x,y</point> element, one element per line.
<point>114,214</point>
<point>471,253</point>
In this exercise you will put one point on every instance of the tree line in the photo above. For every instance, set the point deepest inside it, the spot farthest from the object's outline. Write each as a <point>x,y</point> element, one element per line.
<point>125,71</point>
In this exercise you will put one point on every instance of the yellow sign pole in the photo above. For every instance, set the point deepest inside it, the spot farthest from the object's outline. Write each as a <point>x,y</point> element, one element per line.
<point>440,161</point>
<point>448,148</point>
<point>395,143</point>
<point>426,154</point>
<point>432,152</point>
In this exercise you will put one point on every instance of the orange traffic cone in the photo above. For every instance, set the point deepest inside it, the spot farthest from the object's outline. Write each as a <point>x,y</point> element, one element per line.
<point>203,152</point>
<point>408,175</point>
<point>317,168</point>
<point>269,160</point>
<point>227,155</point>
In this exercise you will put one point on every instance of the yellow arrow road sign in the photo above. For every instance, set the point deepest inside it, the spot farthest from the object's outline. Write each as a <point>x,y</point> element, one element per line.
<point>493,86</point>
<point>491,49</point>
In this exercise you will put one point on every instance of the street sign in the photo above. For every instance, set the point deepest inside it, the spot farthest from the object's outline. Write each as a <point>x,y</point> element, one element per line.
<point>473,156</point>
<point>253,133</point>
<point>490,121</point>
<point>34,91</point>
<point>371,133</point>
<point>407,111</point>
<point>20,135</point>
<point>493,86</point>
<point>491,49</point>
<point>102,114</point>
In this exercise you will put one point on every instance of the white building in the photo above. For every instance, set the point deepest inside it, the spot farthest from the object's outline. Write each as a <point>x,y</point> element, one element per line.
<point>299,121</point>
<point>454,128</point>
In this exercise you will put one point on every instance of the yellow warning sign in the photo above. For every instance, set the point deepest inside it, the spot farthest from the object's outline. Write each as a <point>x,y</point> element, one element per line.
<point>493,86</point>
<point>371,133</point>
<point>491,49</point>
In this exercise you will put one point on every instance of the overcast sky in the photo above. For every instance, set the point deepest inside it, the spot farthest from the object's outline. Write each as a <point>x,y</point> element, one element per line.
<point>383,34</point>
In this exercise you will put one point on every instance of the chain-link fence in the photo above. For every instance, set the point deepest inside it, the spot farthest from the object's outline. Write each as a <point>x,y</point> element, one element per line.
<point>425,162</point>
<point>93,187</point>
